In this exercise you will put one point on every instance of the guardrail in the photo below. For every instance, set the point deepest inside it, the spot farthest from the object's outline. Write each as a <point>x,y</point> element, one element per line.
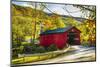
<point>27,58</point>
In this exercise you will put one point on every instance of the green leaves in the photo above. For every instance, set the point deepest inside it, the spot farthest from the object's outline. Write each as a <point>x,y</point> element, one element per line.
<point>27,22</point>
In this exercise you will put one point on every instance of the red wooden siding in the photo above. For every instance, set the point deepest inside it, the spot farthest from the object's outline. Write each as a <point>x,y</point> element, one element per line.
<point>46,40</point>
<point>77,35</point>
<point>60,39</point>
<point>74,29</point>
<point>77,39</point>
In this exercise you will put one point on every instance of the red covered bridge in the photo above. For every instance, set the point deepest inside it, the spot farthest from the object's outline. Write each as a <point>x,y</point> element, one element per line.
<point>60,37</point>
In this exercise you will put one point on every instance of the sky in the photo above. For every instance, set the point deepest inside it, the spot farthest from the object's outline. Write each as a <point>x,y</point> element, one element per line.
<point>57,8</point>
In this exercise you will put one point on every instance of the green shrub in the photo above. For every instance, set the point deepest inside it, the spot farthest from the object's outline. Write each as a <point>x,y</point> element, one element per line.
<point>52,47</point>
<point>40,50</point>
<point>28,49</point>
<point>85,43</point>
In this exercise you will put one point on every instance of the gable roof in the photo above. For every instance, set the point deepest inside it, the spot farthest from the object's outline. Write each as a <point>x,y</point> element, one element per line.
<point>59,30</point>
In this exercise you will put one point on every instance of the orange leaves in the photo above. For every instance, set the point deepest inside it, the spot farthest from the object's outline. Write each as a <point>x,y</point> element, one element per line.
<point>55,16</point>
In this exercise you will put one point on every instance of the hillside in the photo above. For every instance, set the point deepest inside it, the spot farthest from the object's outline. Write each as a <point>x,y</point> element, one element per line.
<point>24,11</point>
<point>29,22</point>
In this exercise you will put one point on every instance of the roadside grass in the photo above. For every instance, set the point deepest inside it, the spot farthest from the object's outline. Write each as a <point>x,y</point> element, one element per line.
<point>24,60</point>
<point>29,59</point>
<point>38,57</point>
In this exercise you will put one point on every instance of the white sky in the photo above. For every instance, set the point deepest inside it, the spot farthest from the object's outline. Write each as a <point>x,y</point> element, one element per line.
<point>58,8</point>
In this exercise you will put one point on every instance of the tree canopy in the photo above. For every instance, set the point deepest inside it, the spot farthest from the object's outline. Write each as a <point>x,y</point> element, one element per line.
<point>26,19</point>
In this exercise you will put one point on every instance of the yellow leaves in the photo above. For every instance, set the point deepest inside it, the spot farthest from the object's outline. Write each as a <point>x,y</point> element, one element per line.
<point>55,16</point>
<point>86,37</point>
<point>88,30</point>
<point>61,25</point>
<point>51,25</point>
<point>48,23</point>
<point>94,26</point>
